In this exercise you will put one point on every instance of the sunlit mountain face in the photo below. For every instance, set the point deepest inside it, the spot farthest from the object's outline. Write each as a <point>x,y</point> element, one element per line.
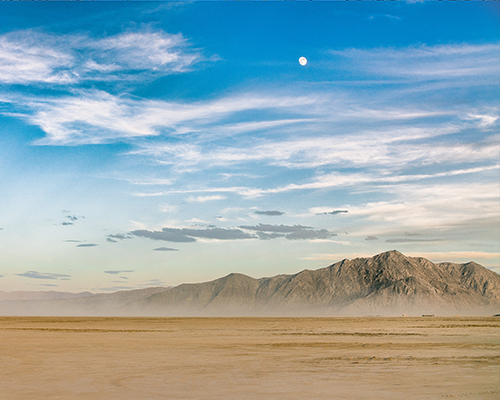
<point>148,145</point>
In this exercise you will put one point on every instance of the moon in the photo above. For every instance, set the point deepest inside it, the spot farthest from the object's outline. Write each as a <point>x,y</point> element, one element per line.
<point>302,61</point>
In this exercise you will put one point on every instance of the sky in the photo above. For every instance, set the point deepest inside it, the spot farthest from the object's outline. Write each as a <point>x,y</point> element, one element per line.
<point>152,144</point>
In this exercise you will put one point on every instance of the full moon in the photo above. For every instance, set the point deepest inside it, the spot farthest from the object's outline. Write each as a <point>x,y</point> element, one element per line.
<point>302,61</point>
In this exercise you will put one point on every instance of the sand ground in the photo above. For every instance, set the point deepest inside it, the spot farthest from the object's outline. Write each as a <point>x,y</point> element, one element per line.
<point>249,358</point>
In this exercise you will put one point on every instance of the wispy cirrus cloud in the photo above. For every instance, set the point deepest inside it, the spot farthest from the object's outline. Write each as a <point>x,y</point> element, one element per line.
<point>24,60</point>
<point>337,180</point>
<point>390,148</point>
<point>94,116</point>
<point>28,57</point>
<point>385,16</point>
<point>150,50</point>
<point>426,62</point>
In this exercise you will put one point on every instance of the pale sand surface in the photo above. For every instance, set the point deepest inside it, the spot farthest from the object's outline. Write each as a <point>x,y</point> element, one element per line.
<point>249,358</point>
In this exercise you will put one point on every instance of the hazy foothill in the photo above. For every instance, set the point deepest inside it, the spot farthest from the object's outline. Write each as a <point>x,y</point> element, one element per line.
<point>387,284</point>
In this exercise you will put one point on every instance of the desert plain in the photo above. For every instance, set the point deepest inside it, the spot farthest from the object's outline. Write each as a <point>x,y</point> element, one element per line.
<point>249,358</point>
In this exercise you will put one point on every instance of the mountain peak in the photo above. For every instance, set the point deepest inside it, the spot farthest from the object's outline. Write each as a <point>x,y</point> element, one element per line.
<point>390,255</point>
<point>389,283</point>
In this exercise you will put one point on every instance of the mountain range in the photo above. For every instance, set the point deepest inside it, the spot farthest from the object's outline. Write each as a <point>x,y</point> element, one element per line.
<point>389,283</point>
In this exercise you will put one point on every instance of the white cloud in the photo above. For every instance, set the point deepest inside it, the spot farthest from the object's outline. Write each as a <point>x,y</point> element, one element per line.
<point>145,51</point>
<point>152,194</point>
<point>336,179</point>
<point>427,62</point>
<point>151,181</point>
<point>231,129</point>
<point>437,207</point>
<point>203,199</point>
<point>196,221</point>
<point>25,60</point>
<point>28,57</point>
<point>485,119</point>
<point>92,117</point>
<point>392,147</point>
<point>388,182</point>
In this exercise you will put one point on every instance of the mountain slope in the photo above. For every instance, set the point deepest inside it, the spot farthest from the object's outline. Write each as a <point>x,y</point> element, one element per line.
<point>389,283</point>
<point>70,304</point>
<point>43,295</point>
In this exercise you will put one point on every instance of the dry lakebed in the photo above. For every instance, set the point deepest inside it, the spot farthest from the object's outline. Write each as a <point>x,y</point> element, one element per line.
<point>249,358</point>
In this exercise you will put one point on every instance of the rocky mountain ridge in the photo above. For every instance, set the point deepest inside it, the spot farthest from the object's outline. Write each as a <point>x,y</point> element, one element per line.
<point>389,283</point>
<point>386,284</point>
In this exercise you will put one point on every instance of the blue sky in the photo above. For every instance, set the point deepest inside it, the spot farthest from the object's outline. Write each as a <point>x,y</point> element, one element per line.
<point>146,144</point>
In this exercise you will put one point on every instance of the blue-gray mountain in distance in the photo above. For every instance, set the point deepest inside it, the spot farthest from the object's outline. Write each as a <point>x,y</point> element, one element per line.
<point>387,284</point>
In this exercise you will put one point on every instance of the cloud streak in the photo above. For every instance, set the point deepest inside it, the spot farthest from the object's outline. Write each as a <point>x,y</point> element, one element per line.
<point>295,232</point>
<point>28,57</point>
<point>426,62</point>
<point>261,231</point>
<point>203,199</point>
<point>165,249</point>
<point>334,212</point>
<point>393,148</point>
<point>117,272</point>
<point>96,117</point>
<point>43,275</point>
<point>185,235</point>
<point>272,213</point>
<point>119,236</point>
